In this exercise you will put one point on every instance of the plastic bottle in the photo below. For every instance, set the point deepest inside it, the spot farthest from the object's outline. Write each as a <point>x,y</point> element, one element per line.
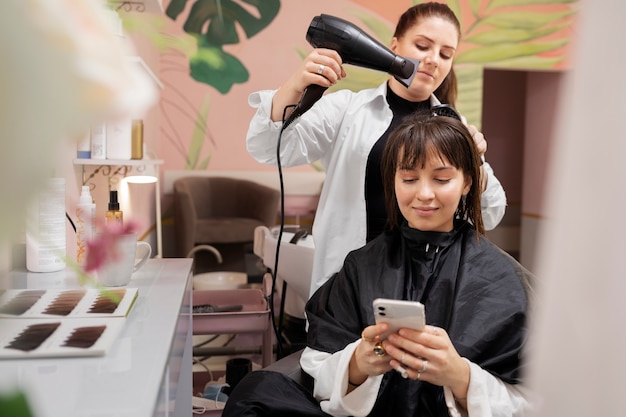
<point>45,229</point>
<point>83,147</point>
<point>85,223</point>
<point>98,141</point>
<point>119,139</point>
<point>113,214</point>
<point>137,140</point>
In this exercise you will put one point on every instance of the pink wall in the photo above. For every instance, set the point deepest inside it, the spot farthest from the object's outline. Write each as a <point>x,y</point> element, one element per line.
<point>504,94</point>
<point>272,55</point>
<point>544,90</point>
<point>519,110</point>
<point>517,106</point>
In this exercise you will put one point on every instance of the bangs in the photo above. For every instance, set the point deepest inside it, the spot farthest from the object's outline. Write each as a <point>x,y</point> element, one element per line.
<point>423,143</point>
<point>423,137</point>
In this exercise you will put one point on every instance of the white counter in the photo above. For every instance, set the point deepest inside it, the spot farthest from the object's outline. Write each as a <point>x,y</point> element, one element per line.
<point>148,371</point>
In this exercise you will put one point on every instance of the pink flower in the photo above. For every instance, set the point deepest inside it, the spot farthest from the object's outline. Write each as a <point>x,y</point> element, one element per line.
<point>103,247</point>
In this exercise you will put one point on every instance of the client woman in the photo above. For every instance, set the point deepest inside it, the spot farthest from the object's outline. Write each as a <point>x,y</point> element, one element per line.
<point>466,361</point>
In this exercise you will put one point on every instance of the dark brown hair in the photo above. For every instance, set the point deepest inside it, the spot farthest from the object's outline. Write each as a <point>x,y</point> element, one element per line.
<point>447,91</point>
<point>415,140</point>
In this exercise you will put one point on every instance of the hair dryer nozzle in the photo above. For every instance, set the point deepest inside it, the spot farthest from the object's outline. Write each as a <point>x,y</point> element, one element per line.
<point>404,70</point>
<point>358,48</point>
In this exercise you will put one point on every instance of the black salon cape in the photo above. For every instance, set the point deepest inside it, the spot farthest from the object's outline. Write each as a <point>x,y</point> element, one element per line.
<point>468,286</point>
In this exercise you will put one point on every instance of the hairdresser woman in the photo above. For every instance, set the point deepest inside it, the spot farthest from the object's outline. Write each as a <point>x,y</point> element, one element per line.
<point>347,132</point>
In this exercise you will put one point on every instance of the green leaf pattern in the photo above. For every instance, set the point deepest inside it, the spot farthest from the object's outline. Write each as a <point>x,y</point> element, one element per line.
<point>497,36</point>
<point>197,138</point>
<point>506,38</point>
<point>523,20</point>
<point>214,24</point>
<point>494,34</point>
<point>494,4</point>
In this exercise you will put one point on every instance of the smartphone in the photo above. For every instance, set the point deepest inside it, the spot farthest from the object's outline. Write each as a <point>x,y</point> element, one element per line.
<point>399,314</point>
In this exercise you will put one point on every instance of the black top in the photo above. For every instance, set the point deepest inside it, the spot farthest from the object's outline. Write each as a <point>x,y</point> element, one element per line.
<point>374,194</point>
<point>469,287</point>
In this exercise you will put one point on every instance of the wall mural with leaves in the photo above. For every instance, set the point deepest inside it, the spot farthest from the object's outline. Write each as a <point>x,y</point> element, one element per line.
<point>213,24</point>
<point>242,46</point>
<point>512,34</point>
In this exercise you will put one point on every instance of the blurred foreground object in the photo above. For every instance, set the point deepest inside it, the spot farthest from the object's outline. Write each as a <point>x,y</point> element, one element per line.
<point>578,341</point>
<point>62,68</point>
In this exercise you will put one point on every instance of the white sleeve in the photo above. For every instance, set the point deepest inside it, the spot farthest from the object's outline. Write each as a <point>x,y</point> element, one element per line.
<point>489,396</point>
<point>262,136</point>
<point>306,141</point>
<point>493,200</point>
<point>330,372</point>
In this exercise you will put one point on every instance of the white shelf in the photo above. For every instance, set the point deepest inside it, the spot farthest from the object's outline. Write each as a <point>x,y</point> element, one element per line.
<point>139,61</point>
<point>83,162</point>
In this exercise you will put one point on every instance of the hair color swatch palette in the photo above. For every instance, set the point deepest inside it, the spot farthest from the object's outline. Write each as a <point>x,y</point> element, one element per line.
<point>57,323</point>
<point>71,303</point>
<point>37,338</point>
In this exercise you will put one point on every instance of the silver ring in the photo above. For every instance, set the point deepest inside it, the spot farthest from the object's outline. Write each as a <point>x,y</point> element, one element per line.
<point>424,366</point>
<point>320,69</point>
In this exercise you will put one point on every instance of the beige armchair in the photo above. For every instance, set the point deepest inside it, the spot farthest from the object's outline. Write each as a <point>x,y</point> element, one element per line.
<point>220,210</point>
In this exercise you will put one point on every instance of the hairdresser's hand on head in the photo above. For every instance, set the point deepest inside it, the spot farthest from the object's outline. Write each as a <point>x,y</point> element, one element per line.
<point>481,144</point>
<point>429,356</point>
<point>364,361</point>
<point>321,67</point>
<point>479,139</point>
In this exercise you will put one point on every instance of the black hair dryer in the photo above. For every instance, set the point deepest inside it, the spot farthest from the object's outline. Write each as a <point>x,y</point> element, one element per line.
<point>355,47</point>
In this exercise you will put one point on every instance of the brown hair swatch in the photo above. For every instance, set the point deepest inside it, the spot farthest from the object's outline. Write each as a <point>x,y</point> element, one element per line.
<point>84,337</point>
<point>107,302</point>
<point>65,302</point>
<point>33,336</point>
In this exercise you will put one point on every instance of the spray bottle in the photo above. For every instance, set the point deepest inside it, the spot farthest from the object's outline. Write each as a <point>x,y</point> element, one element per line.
<point>113,214</point>
<point>85,223</point>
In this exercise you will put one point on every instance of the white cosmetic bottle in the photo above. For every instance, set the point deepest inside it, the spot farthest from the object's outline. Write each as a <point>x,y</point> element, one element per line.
<point>45,229</point>
<point>119,139</point>
<point>85,224</point>
<point>98,141</point>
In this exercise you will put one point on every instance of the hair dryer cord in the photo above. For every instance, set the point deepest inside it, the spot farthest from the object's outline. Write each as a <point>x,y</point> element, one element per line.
<point>310,96</point>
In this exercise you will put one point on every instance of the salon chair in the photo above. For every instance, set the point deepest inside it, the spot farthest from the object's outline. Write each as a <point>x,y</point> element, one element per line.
<point>290,366</point>
<point>221,210</point>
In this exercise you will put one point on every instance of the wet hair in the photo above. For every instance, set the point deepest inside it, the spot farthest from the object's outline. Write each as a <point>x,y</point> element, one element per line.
<point>420,137</point>
<point>447,91</point>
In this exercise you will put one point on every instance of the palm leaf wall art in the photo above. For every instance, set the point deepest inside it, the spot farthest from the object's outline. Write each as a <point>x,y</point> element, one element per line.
<point>212,24</point>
